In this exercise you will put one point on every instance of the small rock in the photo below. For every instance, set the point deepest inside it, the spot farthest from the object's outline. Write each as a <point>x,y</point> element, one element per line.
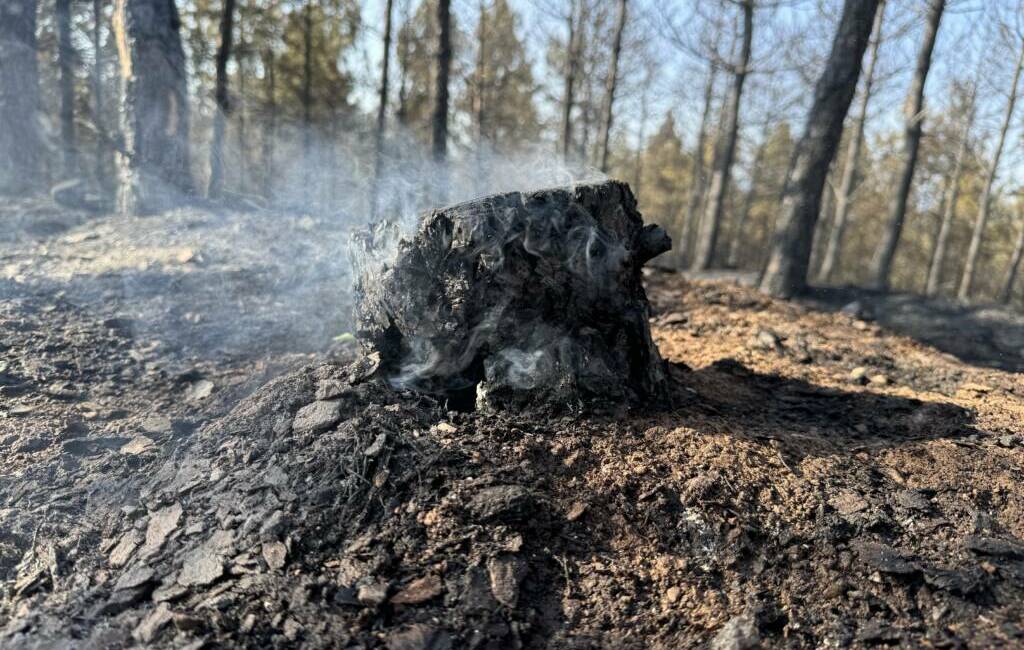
<point>1009,441</point>
<point>199,390</point>
<point>885,558</point>
<point>202,566</point>
<point>328,389</point>
<point>134,578</point>
<point>318,416</point>
<point>675,318</point>
<point>913,500</point>
<point>157,424</point>
<point>576,510</point>
<point>672,595</point>
<point>372,594</point>
<point>291,629</point>
<point>506,572</point>
<point>995,547</point>
<point>377,446</point>
<point>767,340</point>
<point>138,445</point>
<point>445,427</point>
<point>124,549</point>
<point>740,633</point>
<point>161,524</point>
<point>419,591</point>
<point>859,375</point>
<point>879,380</point>
<point>274,554</point>
<point>150,626</point>
<point>502,503</point>
<point>419,636</point>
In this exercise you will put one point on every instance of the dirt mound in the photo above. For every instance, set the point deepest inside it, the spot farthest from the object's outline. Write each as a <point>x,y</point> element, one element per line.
<point>813,481</point>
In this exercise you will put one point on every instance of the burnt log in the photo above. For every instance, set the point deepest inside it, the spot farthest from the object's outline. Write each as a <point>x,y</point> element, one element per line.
<point>514,299</point>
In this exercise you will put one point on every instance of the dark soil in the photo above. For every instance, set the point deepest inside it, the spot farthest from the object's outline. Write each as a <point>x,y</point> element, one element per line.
<point>813,480</point>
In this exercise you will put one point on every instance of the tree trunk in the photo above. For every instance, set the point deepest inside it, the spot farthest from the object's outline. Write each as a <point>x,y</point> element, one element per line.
<point>21,165</point>
<point>222,99</point>
<point>402,114</point>
<point>697,177</point>
<point>967,280</point>
<point>66,63</point>
<point>881,265</point>
<point>102,138</point>
<point>153,160</point>
<point>611,83</point>
<point>571,65</point>
<point>952,195</point>
<point>270,132</point>
<point>833,249</point>
<point>382,111</point>
<point>307,85</point>
<point>786,271</point>
<point>748,203</point>
<point>1011,273</point>
<point>707,234</point>
<point>479,90</point>
<point>241,55</point>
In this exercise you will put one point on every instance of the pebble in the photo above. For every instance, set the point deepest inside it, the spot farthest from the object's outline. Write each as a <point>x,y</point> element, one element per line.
<point>161,524</point>
<point>859,375</point>
<point>419,591</point>
<point>318,416</point>
<point>372,594</point>
<point>201,567</point>
<point>274,553</point>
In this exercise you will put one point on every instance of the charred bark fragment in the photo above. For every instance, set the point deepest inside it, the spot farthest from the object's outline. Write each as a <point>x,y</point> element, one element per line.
<point>518,298</point>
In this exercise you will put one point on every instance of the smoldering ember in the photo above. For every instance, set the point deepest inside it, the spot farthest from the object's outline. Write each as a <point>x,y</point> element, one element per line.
<point>423,325</point>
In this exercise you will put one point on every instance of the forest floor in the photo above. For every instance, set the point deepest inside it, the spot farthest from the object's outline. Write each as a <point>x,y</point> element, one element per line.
<point>844,471</point>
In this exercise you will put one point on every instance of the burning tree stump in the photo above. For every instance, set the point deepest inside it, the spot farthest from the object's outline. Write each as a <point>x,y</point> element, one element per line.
<point>517,298</point>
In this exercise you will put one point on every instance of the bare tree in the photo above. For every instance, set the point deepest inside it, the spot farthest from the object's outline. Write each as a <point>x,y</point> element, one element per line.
<point>698,163</point>
<point>307,83</point>
<point>707,233</point>
<point>881,265</point>
<point>1011,272</point>
<point>749,196</point>
<point>789,258</point>
<point>444,65</point>
<point>270,127</point>
<point>950,198</point>
<point>21,165</point>
<point>572,63</point>
<point>382,108</point>
<point>66,63</point>
<point>611,83</point>
<point>985,203</point>
<point>844,197</point>
<point>153,160</point>
<point>99,121</point>
<point>222,99</point>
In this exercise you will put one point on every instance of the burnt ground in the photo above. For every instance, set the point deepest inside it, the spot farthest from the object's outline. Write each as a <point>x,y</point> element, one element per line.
<point>816,479</point>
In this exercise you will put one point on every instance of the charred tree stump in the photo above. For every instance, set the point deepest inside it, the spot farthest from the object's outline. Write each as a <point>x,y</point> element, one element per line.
<point>514,299</point>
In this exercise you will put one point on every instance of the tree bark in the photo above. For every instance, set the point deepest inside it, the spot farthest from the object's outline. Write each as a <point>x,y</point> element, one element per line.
<point>833,249</point>
<point>270,131</point>
<point>786,271</point>
<point>153,159</point>
<point>222,100</point>
<point>748,203</point>
<point>382,112</point>
<point>881,264</point>
<point>98,116</point>
<point>444,65</point>
<point>971,264</point>
<point>66,63</point>
<point>21,164</point>
<point>307,84</point>
<point>571,65</point>
<point>952,195</point>
<point>697,177</point>
<point>611,84</point>
<point>1011,273</point>
<point>707,234</point>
